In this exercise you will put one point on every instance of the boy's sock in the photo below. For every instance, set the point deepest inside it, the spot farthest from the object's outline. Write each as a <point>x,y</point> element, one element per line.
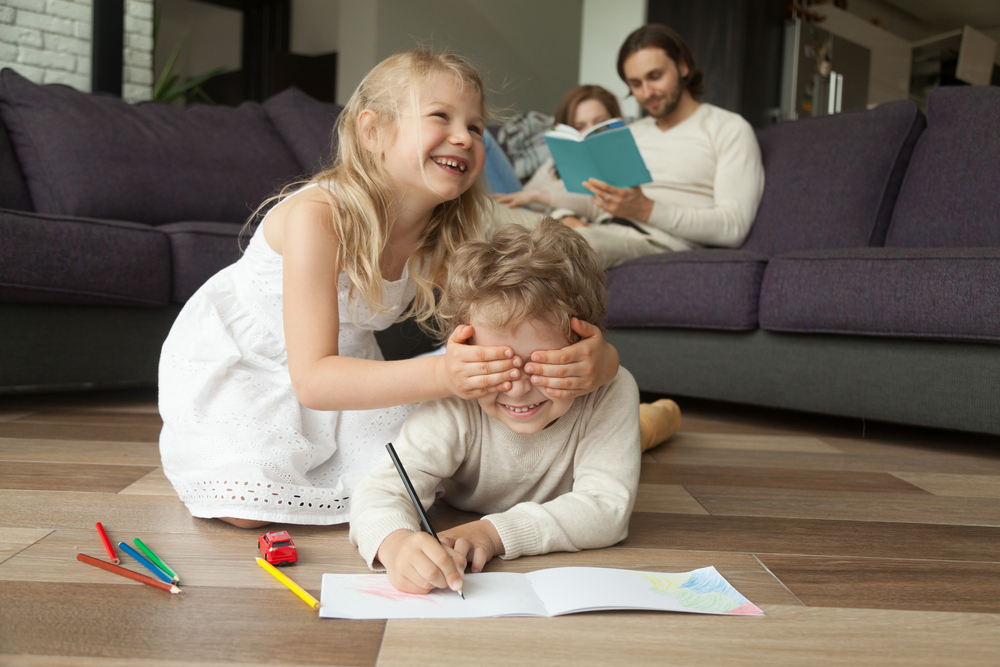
<point>657,422</point>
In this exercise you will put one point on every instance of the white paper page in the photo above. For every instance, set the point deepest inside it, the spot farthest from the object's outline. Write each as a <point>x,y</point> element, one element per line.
<point>565,590</point>
<point>371,596</point>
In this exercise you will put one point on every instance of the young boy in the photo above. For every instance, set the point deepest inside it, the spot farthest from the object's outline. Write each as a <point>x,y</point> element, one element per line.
<point>551,474</point>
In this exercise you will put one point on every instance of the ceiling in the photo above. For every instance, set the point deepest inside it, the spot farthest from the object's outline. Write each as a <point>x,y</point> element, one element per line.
<point>949,14</point>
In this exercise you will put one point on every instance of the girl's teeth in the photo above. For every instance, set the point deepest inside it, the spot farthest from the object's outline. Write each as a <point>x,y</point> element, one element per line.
<point>452,164</point>
<point>526,408</point>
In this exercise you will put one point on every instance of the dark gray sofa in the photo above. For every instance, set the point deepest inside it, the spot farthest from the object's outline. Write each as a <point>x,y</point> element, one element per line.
<point>868,286</point>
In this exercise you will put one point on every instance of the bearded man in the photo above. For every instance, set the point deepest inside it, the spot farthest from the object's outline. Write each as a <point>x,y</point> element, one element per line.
<point>705,163</point>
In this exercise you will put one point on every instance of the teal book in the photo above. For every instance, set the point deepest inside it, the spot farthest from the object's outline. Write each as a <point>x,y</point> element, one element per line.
<point>606,152</point>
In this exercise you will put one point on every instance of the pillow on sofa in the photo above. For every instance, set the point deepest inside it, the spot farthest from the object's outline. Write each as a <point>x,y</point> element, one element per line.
<point>951,194</point>
<point>100,157</point>
<point>307,126</point>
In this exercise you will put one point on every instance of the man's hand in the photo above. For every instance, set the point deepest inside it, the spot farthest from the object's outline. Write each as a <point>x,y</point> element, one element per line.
<point>620,203</point>
<point>572,221</point>
<point>416,563</point>
<point>478,541</point>
<point>525,198</point>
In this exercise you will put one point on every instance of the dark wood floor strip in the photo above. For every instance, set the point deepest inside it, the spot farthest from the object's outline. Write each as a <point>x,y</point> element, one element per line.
<point>69,476</point>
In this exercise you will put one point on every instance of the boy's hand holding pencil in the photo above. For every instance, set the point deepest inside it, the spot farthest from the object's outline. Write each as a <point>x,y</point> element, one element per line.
<point>418,563</point>
<point>479,541</point>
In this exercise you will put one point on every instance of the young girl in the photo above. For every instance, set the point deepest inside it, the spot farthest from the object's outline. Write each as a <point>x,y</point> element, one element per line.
<point>273,393</point>
<point>581,108</point>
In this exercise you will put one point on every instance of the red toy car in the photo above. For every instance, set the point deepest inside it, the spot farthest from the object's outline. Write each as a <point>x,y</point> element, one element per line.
<point>277,548</point>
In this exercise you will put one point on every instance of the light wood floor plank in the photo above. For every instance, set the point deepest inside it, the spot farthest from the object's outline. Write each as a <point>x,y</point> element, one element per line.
<point>798,504</point>
<point>153,484</point>
<point>869,539</point>
<point>669,498</point>
<point>776,478</point>
<point>890,584</point>
<point>788,635</point>
<point>208,624</point>
<point>86,477</point>
<point>79,451</point>
<point>62,431</point>
<point>85,417</point>
<point>15,540</point>
<point>962,486</point>
<point>760,443</point>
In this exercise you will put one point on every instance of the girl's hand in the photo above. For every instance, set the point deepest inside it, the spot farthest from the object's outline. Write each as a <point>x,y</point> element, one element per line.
<point>470,371</point>
<point>416,563</point>
<point>578,369</point>
<point>525,198</point>
<point>477,541</point>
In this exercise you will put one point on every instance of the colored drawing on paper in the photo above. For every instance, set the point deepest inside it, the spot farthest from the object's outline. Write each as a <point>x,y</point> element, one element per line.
<point>703,590</point>
<point>377,590</point>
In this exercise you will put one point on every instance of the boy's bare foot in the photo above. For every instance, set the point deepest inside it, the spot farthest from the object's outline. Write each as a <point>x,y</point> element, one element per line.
<point>249,524</point>
<point>657,422</point>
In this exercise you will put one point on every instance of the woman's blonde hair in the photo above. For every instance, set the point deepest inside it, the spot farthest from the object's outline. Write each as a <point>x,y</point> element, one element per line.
<point>549,273</point>
<point>364,205</point>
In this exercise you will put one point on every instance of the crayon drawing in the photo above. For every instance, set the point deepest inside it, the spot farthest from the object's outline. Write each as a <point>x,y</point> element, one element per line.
<point>703,590</point>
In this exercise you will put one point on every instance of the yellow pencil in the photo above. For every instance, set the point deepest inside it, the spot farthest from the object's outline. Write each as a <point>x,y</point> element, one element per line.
<point>294,587</point>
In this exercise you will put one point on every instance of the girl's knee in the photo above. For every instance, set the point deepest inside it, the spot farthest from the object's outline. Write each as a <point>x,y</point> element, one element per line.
<point>248,524</point>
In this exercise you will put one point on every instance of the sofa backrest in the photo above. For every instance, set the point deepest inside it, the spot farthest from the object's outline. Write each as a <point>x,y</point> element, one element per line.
<point>951,194</point>
<point>307,125</point>
<point>832,182</point>
<point>100,157</point>
<point>13,188</point>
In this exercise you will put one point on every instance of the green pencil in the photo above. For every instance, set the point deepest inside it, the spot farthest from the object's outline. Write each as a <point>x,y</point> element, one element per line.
<point>156,560</point>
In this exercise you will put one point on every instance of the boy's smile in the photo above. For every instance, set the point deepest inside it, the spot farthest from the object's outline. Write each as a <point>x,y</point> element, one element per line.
<point>525,408</point>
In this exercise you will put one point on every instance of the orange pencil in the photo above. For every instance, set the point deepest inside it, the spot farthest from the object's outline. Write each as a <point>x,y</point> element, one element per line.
<point>135,576</point>
<point>107,544</point>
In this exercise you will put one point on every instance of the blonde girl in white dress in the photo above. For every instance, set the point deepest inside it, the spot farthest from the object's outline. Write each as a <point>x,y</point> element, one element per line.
<point>274,395</point>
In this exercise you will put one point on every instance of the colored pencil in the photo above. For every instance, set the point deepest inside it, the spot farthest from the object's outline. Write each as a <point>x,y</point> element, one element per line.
<point>424,519</point>
<point>142,560</point>
<point>157,561</point>
<point>135,576</point>
<point>292,586</point>
<point>107,544</point>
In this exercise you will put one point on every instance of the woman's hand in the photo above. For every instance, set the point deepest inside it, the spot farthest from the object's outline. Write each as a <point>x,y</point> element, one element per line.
<point>525,198</point>
<point>630,203</point>
<point>416,563</point>
<point>477,541</point>
<point>578,369</point>
<point>572,221</point>
<point>470,371</point>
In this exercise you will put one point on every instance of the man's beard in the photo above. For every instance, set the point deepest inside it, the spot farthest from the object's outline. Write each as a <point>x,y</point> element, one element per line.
<point>672,100</point>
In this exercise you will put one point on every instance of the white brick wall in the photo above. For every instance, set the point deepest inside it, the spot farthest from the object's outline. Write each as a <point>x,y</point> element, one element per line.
<point>49,41</point>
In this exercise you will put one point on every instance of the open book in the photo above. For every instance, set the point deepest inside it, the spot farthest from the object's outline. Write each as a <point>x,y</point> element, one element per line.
<point>551,592</point>
<point>606,152</point>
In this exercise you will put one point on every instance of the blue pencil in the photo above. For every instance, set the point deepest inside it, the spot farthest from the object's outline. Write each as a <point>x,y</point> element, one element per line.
<point>145,562</point>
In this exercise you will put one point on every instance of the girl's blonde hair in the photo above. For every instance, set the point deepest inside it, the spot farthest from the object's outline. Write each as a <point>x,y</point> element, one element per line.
<point>364,206</point>
<point>549,273</point>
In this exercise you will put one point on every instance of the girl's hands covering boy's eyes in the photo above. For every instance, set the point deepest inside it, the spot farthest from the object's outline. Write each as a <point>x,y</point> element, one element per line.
<point>416,563</point>
<point>587,364</point>
<point>478,541</point>
<point>470,371</point>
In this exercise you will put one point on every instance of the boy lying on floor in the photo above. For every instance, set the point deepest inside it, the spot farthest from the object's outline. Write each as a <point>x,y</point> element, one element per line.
<point>551,474</point>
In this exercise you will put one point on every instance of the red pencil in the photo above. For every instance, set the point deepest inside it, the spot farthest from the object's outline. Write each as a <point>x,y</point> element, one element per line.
<point>107,544</point>
<point>135,576</point>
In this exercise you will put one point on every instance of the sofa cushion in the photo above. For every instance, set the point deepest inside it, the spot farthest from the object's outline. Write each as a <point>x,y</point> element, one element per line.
<point>307,125</point>
<point>63,260</point>
<point>13,188</point>
<point>951,194</point>
<point>199,250</point>
<point>706,289</point>
<point>97,156</point>
<point>831,182</point>
<point>947,293</point>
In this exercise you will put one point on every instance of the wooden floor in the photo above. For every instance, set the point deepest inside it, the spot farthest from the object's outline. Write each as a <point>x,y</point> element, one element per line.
<point>864,544</point>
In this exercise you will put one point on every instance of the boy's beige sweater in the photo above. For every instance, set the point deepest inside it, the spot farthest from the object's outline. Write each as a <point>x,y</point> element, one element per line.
<point>569,487</point>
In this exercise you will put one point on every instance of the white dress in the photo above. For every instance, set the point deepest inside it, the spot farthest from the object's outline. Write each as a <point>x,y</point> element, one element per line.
<point>236,442</point>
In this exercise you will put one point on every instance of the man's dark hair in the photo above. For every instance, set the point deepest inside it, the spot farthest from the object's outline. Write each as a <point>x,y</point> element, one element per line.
<point>659,36</point>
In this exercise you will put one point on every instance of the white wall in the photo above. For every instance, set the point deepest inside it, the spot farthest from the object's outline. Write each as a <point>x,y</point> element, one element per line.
<point>528,49</point>
<point>606,24</point>
<point>315,27</point>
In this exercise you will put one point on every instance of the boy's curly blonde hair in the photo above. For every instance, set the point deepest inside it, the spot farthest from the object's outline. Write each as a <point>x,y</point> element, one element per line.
<point>549,273</point>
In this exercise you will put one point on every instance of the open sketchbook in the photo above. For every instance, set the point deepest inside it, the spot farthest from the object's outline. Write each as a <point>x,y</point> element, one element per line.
<point>551,592</point>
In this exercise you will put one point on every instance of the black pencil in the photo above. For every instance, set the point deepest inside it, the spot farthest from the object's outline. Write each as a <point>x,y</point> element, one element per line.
<point>424,519</point>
